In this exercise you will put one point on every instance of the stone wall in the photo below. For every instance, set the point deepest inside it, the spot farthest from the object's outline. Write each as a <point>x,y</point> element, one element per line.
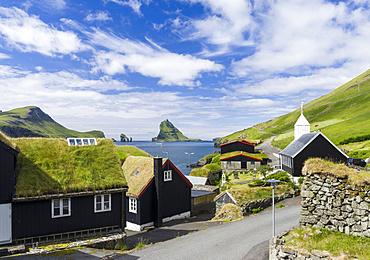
<point>278,251</point>
<point>248,206</point>
<point>335,203</point>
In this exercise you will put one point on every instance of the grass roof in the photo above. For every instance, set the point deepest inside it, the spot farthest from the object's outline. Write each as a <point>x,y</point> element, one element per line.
<point>318,165</point>
<point>138,171</point>
<point>49,166</point>
<point>5,140</point>
<point>125,151</point>
<point>237,153</point>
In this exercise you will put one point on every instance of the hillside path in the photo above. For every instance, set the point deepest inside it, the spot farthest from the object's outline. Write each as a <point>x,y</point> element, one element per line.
<point>233,240</point>
<point>267,148</point>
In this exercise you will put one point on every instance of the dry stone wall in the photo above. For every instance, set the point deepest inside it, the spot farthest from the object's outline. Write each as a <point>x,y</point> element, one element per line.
<point>336,204</point>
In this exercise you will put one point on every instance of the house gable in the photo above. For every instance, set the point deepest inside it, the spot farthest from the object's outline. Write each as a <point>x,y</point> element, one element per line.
<point>237,146</point>
<point>7,172</point>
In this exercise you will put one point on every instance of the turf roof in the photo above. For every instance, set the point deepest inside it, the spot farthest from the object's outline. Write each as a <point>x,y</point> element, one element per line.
<point>259,156</point>
<point>138,171</point>
<point>49,166</point>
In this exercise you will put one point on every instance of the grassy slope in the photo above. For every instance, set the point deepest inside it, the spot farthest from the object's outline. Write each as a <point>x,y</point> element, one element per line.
<point>49,165</point>
<point>343,113</point>
<point>24,122</point>
<point>169,133</point>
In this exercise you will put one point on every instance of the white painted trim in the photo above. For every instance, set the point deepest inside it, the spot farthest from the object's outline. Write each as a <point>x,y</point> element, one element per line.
<point>60,208</point>
<point>102,203</point>
<point>178,216</point>
<point>232,198</point>
<point>5,223</point>
<point>137,227</point>
<point>318,133</point>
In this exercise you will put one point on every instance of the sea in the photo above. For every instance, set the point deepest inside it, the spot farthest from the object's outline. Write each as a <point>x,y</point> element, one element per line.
<point>176,151</point>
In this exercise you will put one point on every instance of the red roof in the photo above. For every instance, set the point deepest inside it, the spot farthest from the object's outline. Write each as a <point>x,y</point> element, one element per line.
<point>242,141</point>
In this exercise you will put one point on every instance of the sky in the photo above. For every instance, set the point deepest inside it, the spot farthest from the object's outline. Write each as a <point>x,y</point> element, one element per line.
<point>211,67</point>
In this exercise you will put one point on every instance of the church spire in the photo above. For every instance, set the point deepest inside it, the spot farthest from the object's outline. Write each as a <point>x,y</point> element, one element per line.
<point>302,126</point>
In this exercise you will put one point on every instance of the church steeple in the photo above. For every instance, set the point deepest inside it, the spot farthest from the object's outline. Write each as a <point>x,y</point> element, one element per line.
<point>302,126</point>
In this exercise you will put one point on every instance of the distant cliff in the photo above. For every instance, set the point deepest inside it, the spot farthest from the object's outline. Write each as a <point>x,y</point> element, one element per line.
<point>33,122</point>
<point>169,133</point>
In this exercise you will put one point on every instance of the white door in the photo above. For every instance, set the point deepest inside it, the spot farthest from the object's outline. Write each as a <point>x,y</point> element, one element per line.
<point>5,223</point>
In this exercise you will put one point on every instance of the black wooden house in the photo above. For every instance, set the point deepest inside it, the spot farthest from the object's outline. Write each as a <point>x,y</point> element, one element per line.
<point>309,145</point>
<point>158,192</point>
<point>7,179</point>
<point>61,191</point>
<point>242,145</point>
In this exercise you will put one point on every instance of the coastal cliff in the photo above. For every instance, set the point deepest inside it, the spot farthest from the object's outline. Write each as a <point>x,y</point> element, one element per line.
<point>33,122</point>
<point>169,133</point>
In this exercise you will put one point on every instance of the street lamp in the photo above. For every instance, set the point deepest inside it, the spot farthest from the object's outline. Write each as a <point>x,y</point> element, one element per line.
<point>273,185</point>
<point>189,156</point>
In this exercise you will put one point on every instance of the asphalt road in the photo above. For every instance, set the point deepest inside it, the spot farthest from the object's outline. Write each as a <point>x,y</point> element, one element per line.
<point>233,240</point>
<point>270,151</point>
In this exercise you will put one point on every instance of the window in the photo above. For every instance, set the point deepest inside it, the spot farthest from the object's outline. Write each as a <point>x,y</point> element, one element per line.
<point>168,175</point>
<point>102,203</point>
<point>81,141</point>
<point>60,208</point>
<point>132,205</point>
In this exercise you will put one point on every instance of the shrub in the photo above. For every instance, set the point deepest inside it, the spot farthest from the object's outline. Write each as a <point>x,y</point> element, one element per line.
<point>355,139</point>
<point>256,183</point>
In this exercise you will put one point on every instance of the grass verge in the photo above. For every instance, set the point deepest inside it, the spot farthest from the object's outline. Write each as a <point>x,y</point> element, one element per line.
<point>334,242</point>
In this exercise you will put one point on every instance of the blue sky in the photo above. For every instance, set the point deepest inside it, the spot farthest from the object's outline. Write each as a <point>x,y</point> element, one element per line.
<point>212,67</point>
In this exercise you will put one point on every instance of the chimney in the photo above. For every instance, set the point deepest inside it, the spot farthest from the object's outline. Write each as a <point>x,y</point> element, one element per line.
<point>158,180</point>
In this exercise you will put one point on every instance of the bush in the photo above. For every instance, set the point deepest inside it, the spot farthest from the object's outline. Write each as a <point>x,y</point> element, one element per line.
<point>256,183</point>
<point>281,176</point>
<point>213,167</point>
<point>355,139</point>
<point>216,159</point>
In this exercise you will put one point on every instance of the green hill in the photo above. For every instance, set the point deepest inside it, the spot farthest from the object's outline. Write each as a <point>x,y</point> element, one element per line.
<point>169,133</point>
<point>340,115</point>
<point>33,122</point>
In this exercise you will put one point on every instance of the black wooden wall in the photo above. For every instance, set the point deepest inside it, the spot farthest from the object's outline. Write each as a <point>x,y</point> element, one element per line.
<point>176,199</point>
<point>237,146</point>
<point>33,218</point>
<point>7,173</point>
<point>320,148</point>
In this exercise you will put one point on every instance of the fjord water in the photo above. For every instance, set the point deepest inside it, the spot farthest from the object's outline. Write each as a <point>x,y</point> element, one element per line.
<point>176,151</point>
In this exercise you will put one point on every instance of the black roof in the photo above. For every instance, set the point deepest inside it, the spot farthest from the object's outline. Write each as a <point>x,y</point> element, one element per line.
<point>298,145</point>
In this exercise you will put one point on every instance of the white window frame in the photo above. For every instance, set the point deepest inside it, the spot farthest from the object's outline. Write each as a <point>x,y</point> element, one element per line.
<point>132,205</point>
<point>167,175</point>
<point>60,208</point>
<point>102,202</point>
<point>81,141</point>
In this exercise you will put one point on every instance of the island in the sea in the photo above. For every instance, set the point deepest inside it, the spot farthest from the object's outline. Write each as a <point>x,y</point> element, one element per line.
<point>169,133</point>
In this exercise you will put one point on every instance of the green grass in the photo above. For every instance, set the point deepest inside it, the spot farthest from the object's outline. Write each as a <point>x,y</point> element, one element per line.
<point>358,149</point>
<point>169,133</point>
<point>236,153</point>
<point>125,151</point>
<point>336,243</point>
<point>341,114</point>
<point>49,165</point>
<point>31,121</point>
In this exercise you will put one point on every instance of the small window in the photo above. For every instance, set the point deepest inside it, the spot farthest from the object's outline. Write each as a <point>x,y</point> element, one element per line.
<point>102,203</point>
<point>132,205</point>
<point>229,162</point>
<point>60,208</point>
<point>168,175</point>
<point>81,141</point>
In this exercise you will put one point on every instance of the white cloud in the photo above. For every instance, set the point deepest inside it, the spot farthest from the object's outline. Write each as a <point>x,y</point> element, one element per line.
<point>225,25</point>
<point>149,60</point>
<point>4,56</point>
<point>134,4</point>
<point>300,36</point>
<point>98,16</point>
<point>29,34</point>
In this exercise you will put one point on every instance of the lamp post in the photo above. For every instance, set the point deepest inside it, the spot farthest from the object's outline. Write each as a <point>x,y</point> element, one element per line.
<point>189,156</point>
<point>273,185</point>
